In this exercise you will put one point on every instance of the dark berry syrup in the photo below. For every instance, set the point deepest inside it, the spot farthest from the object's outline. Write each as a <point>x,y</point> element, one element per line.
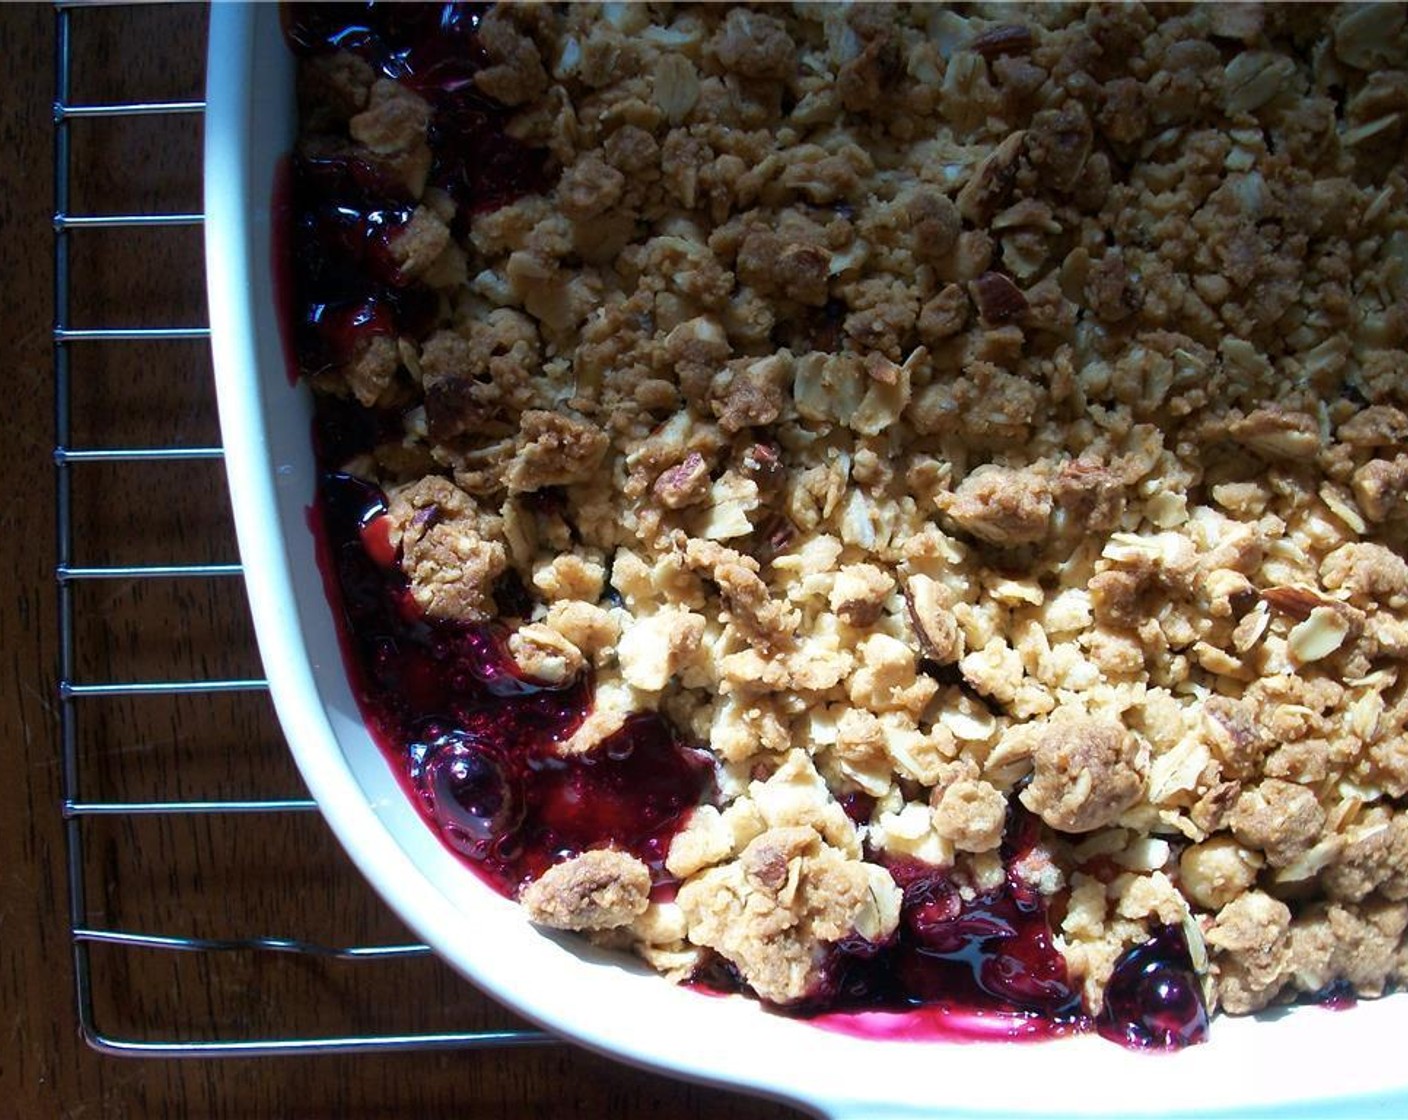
<point>348,208</point>
<point>1338,995</point>
<point>960,965</point>
<point>1154,1000</point>
<point>475,742</point>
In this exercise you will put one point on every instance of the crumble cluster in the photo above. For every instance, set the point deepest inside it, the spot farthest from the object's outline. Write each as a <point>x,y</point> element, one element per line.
<point>928,411</point>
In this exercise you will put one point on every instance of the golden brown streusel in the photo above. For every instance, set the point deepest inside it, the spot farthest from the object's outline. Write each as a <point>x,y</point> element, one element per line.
<point>944,408</point>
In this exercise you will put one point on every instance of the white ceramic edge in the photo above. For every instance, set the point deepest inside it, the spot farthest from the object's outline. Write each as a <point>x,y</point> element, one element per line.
<point>1307,1063</point>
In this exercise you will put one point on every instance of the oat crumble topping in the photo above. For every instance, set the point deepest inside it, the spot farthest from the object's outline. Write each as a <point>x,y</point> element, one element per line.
<point>949,407</point>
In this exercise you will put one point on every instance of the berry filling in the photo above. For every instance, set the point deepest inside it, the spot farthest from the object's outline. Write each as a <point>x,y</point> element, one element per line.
<point>1154,1000</point>
<point>990,951</point>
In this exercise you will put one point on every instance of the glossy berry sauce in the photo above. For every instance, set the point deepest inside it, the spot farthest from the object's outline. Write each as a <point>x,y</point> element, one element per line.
<point>1153,999</point>
<point>347,287</point>
<point>475,741</point>
<point>1338,995</point>
<point>975,965</point>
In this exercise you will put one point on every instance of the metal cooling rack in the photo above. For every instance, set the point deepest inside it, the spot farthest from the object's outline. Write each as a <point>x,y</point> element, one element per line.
<point>75,694</point>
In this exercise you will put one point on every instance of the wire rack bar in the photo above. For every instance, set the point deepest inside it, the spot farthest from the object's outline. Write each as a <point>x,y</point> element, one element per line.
<point>63,111</point>
<point>158,688</point>
<point>148,571</point>
<point>184,808</point>
<point>66,455</point>
<point>72,693</point>
<point>125,221</point>
<point>63,544</point>
<point>284,1047</point>
<point>248,944</point>
<point>128,334</point>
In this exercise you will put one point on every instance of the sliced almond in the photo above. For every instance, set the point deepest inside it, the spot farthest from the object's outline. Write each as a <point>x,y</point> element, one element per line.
<point>1369,131</point>
<point>1311,862</point>
<point>1322,632</point>
<point>1297,602</point>
<point>1251,628</point>
<point>1365,714</point>
<point>1342,507</point>
<point>1009,38</point>
<point>987,189</point>
<point>1278,433</point>
<point>970,723</point>
<point>931,616</point>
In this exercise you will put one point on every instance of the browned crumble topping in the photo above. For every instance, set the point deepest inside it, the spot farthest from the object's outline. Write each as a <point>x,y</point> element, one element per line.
<point>1085,773</point>
<point>600,889</point>
<point>943,408</point>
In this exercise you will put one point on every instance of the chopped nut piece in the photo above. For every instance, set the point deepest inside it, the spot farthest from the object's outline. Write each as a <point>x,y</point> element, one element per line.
<point>684,484</point>
<point>1217,871</point>
<point>859,593</point>
<point>998,299</point>
<point>930,612</point>
<point>1297,602</point>
<point>655,648</point>
<point>1233,735</point>
<point>985,192</point>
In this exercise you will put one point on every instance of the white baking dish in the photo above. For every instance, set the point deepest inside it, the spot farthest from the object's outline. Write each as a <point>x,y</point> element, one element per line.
<point>1307,1062</point>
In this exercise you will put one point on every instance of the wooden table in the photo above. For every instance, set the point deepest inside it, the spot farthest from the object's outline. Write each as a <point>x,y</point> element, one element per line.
<point>205,876</point>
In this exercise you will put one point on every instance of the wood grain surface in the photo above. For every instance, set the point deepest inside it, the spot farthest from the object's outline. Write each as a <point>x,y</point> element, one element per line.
<point>213,876</point>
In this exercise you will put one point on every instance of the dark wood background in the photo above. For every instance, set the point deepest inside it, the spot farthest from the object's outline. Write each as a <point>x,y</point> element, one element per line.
<point>210,876</point>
